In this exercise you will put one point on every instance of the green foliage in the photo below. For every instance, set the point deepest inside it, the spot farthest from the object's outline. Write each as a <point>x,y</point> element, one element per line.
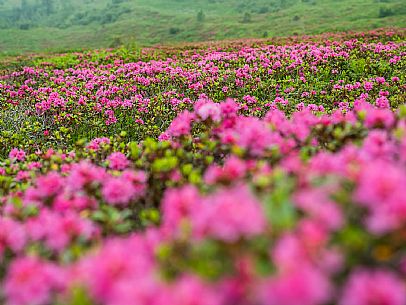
<point>246,18</point>
<point>174,30</point>
<point>385,12</point>
<point>200,16</point>
<point>278,206</point>
<point>44,25</point>
<point>78,296</point>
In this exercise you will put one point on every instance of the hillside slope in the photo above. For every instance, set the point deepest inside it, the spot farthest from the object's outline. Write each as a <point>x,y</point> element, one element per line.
<point>41,25</point>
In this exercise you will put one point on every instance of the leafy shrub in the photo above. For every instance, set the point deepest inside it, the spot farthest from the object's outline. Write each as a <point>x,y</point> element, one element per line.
<point>246,18</point>
<point>200,16</point>
<point>174,30</point>
<point>385,12</point>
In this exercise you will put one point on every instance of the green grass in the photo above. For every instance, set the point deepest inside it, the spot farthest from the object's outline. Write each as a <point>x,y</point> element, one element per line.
<point>99,24</point>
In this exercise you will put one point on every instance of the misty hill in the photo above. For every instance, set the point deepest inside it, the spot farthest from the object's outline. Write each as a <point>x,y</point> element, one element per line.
<point>41,25</point>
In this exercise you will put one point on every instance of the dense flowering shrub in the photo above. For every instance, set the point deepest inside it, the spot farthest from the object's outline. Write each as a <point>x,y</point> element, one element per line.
<point>247,175</point>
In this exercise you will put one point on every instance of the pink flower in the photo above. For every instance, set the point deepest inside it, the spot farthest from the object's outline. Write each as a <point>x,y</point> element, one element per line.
<point>49,185</point>
<point>289,253</point>
<point>382,102</point>
<point>317,203</point>
<point>208,110</point>
<point>380,80</point>
<point>368,86</point>
<point>112,274</point>
<point>22,176</point>
<point>229,108</point>
<point>74,202</point>
<point>254,135</point>
<point>378,181</point>
<point>58,230</point>
<point>177,205</point>
<point>12,235</point>
<point>301,105</point>
<point>17,154</point>
<point>379,118</point>
<point>378,145</point>
<point>144,291</point>
<point>366,287</point>
<point>276,118</point>
<point>191,291</point>
<point>181,124</point>
<point>118,191</point>
<point>232,170</point>
<point>300,286</point>
<point>136,177</point>
<point>250,99</point>
<point>164,137</point>
<point>85,173</point>
<point>118,161</point>
<point>96,143</point>
<point>380,189</point>
<point>229,215</point>
<point>30,281</point>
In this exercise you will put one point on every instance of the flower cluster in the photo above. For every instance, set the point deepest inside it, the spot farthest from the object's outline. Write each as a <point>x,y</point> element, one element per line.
<point>293,192</point>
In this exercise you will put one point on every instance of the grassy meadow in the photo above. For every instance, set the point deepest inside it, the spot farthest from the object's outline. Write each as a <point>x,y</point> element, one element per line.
<point>27,26</point>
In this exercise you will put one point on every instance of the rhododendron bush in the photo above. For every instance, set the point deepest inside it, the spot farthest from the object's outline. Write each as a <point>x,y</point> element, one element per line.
<point>246,174</point>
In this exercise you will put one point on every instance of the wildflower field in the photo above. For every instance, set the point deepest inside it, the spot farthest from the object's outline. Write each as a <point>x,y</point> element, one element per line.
<point>252,172</point>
